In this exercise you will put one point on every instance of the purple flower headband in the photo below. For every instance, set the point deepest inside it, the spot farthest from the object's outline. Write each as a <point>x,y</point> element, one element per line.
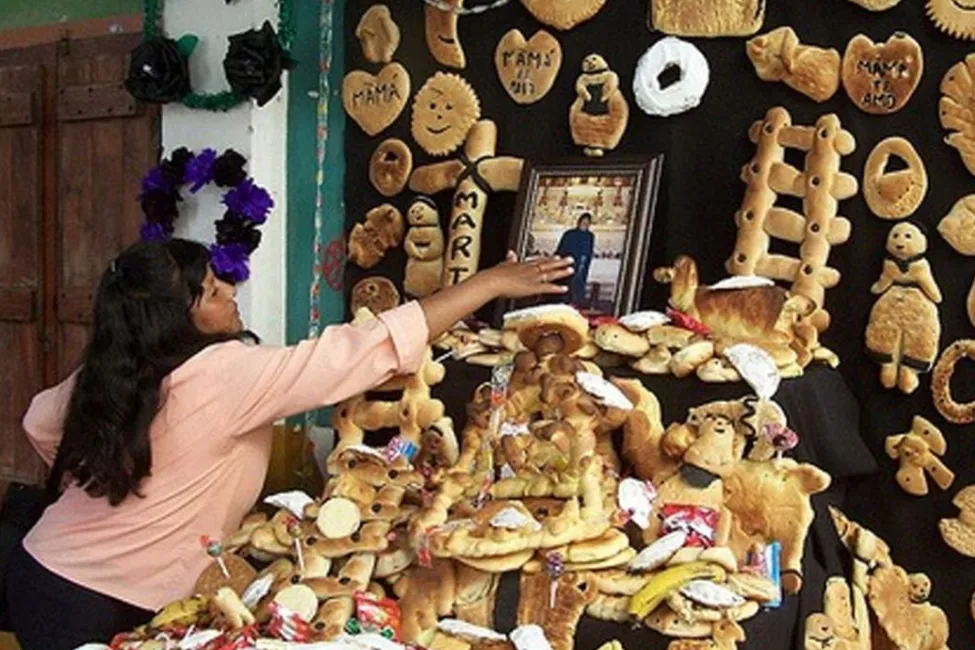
<point>247,204</point>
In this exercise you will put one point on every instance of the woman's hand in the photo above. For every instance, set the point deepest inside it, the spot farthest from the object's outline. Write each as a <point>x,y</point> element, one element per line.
<point>510,279</point>
<point>533,277</point>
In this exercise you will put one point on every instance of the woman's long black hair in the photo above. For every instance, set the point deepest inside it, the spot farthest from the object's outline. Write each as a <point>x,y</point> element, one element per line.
<point>142,332</point>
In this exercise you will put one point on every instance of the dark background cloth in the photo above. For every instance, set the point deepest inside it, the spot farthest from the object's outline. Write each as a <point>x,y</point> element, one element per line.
<point>704,151</point>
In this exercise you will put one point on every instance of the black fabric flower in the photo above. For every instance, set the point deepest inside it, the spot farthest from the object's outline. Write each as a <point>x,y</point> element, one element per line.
<point>228,169</point>
<point>160,205</point>
<point>174,168</point>
<point>254,63</point>
<point>233,229</point>
<point>158,72</point>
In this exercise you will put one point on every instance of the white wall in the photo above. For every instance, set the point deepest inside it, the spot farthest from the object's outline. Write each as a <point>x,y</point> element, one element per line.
<point>259,134</point>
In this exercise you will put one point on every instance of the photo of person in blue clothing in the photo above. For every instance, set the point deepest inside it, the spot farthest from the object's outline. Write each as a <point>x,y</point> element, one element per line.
<point>578,243</point>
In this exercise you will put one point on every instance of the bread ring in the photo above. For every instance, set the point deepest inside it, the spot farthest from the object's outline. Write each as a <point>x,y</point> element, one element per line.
<point>898,194</point>
<point>680,96</point>
<point>941,383</point>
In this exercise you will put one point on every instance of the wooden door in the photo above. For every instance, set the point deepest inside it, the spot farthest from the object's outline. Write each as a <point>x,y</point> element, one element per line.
<point>73,148</point>
<point>106,142</point>
<point>25,101</point>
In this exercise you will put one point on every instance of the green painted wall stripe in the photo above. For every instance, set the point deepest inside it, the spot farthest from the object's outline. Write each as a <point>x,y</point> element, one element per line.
<point>29,13</point>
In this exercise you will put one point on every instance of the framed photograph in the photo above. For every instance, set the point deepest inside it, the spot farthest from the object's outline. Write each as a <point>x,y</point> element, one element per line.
<point>601,214</point>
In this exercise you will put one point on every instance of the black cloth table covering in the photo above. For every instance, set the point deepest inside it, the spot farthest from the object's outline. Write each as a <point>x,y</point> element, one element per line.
<point>704,150</point>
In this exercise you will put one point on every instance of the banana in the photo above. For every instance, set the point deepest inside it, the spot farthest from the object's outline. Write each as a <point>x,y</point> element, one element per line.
<point>670,580</point>
<point>612,645</point>
<point>180,613</point>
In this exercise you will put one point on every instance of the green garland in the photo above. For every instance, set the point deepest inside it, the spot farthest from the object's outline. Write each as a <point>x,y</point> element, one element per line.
<point>226,99</point>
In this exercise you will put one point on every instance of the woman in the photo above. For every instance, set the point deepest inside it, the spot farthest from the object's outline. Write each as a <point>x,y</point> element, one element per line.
<point>578,243</point>
<point>163,436</point>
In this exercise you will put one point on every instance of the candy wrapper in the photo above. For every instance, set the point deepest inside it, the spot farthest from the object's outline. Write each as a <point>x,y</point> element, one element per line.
<point>399,447</point>
<point>635,498</point>
<point>682,320</point>
<point>697,521</point>
<point>500,379</point>
<point>766,562</point>
<point>202,640</point>
<point>294,502</point>
<point>256,591</point>
<point>375,616</point>
<point>554,567</point>
<point>287,625</point>
<point>781,437</point>
<point>756,367</point>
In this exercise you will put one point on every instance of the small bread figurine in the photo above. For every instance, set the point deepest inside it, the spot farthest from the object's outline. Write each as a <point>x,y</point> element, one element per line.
<point>896,194</point>
<point>424,248</point>
<point>876,5</point>
<point>959,532</point>
<point>904,329</point>
<point>779,56</point>
<point>377,294</point>
<point>958,226</point>
<point>441,32</point>
<point>382,230</point>
<point>563,14</point>
<point>880,78</point>
<point>956,109</point>
<point>599,115</point>
<point>707,18</point>
<point>954,17</point>
<point>378,34</point>
<point>844,623</point>
<point>390,167</point>
<point>918,451</point>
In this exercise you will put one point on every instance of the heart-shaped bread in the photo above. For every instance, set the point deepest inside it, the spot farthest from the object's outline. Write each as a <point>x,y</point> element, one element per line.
<point>527,69</point>
<point>563,14</point>
<point>375,101</point>
<point>880,78</point>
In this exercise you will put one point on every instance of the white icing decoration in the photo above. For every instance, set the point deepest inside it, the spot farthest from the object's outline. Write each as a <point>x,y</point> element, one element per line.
<point>641,321</point>
<point>742,282</point>
<point>636,498</point>
<point>604,391</point>
<point>540,310</point>
<point>506,472</point>
<point>530,637</point>
<point>294,502</point>
<point>462,629</point>
<point>756,367</point>
<point>513,519</point>
<point>680,96</point>
<point>710,594</point>
<point>256,590</point>
<point>656,554</point>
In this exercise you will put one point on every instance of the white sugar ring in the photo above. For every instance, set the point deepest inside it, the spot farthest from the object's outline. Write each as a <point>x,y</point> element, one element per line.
<point>680,96</point>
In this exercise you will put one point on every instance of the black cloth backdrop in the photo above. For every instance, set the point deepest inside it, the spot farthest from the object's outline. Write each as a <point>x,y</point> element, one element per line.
<point>704,151</point>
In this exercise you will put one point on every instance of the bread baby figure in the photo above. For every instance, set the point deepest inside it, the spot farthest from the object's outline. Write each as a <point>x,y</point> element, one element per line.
<point>424,248</point>
<point>904,328</point>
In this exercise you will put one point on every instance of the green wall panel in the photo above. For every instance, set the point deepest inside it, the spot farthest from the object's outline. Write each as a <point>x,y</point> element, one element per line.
<point>28,13</point>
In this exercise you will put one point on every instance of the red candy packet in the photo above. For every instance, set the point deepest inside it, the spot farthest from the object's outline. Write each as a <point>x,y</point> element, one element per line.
<point>378,615</point>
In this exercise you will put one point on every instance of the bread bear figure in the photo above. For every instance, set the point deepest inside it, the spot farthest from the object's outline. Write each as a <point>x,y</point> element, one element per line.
<point>424,248</point>
<point>904,328</point>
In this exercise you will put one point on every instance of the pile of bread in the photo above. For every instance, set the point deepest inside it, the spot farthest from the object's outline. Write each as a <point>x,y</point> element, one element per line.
<point>535,486</point>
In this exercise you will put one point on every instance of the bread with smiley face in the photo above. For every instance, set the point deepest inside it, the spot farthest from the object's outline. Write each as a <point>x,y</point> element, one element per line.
<point>424,247</point>
<point>444,110</point>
